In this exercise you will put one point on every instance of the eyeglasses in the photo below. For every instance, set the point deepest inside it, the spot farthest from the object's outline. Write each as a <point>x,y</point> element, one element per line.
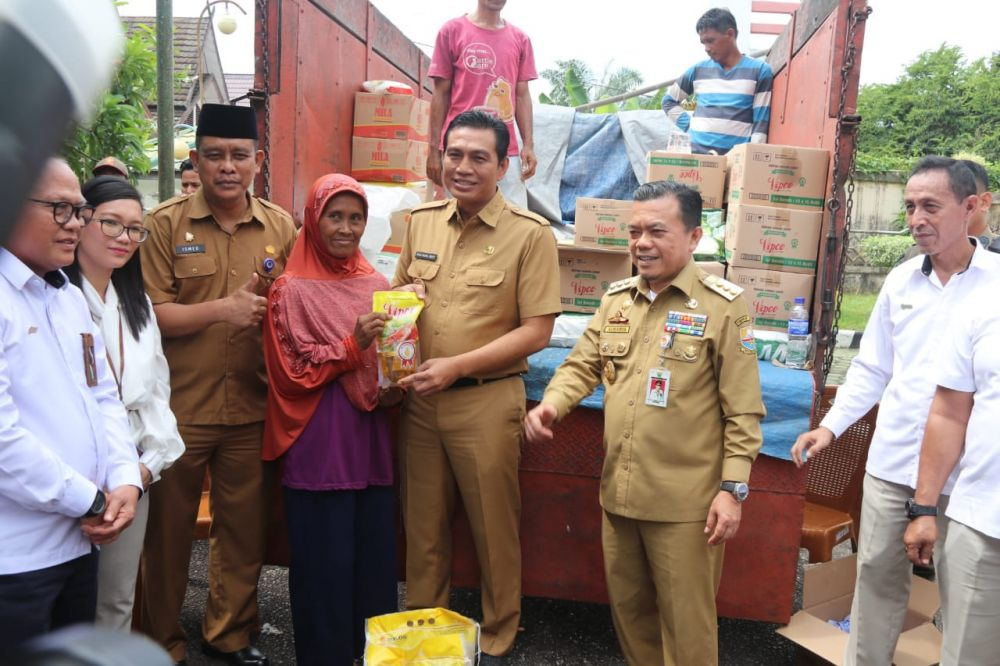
<point>63,211</point>
<point>114,229</point>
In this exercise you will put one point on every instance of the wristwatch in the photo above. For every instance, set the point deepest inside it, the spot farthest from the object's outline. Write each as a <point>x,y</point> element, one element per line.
<point>97,508</point>
<point>739,489</point>
<point>914,510</point>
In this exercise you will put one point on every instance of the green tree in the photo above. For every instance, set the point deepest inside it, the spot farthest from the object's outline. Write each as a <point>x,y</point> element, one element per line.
<point>573,83</point>
<point>940,105</point>
<point>121,125</point>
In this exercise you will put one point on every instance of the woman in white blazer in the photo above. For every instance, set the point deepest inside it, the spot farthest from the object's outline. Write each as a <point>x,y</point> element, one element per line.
<point>108,271</point>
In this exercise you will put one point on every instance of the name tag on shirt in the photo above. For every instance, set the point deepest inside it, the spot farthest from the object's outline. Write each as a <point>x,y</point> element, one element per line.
<point>657,387</point>
<point>190,249</point>
<point>89,360</point>
<point>426,256</point>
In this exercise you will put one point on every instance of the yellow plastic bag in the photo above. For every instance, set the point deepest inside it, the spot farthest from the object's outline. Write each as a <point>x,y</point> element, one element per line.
<point>398,347</point>
<point>431,636</point>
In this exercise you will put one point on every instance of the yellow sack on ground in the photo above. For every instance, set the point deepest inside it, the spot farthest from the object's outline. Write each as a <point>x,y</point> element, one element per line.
<point>431,636</point>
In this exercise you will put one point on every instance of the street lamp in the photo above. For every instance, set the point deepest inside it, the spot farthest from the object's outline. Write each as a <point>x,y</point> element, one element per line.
<point>227,25</point>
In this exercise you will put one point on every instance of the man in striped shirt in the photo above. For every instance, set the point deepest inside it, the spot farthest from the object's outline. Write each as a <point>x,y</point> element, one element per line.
<point>733,91</point>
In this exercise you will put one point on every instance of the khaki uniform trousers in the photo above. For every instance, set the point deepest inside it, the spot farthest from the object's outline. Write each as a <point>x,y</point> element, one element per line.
<point>882,589</point>
<point>970,598</point>
<point>236,540</point>
<point>662,581</point>
<point>465,441</point>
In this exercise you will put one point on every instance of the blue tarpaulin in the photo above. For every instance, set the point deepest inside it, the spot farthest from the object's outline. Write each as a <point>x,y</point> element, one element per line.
<point>787,397</point>
<point>597,164</point>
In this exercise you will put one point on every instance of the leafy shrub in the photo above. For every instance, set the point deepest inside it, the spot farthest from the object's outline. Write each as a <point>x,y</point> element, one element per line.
<point>884,251</point>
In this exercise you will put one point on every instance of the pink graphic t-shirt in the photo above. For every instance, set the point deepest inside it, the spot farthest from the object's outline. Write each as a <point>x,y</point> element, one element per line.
<point>484,66</point>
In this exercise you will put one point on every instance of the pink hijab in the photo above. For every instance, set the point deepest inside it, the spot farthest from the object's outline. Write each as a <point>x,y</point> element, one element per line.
<point>308,333</point>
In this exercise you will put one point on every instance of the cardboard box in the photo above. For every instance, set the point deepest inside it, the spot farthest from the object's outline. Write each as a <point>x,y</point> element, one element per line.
<point>391,116</point>
<point>585,274</point>
<point>602,223</point>
<point>827,592</point>
<point>770,295</point>
<point>397,226</point>
<point>762,174</point>
<point>705,173</point>
<point>388,160</point>
<point>779,239</point>
<point>713,267</point>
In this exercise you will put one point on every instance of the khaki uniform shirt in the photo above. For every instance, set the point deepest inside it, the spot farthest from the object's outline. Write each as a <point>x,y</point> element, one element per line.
<point>666,463</point>
<point>217,375</point>
<point>482,278</point>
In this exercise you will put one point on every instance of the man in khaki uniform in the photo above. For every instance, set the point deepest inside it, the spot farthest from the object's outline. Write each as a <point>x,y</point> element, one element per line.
<point>682,412</point>
<point>209,258</point>
<point>490,276</point>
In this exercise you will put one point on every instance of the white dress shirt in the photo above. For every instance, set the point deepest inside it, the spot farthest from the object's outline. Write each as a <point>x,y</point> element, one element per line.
<point>900,351</point>
<point>971,363</point>
<point>145,382</point>
<point>59,438</point>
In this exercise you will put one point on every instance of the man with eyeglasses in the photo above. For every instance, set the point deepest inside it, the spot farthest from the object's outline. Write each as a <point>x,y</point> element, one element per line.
<point>69,475</point>
<point>207,264</point>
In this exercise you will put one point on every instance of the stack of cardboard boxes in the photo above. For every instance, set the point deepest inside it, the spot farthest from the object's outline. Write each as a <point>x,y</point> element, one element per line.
<point>773,226</point>
<point>390,138</point>
<point>598,255</point>
<point>774,221</point>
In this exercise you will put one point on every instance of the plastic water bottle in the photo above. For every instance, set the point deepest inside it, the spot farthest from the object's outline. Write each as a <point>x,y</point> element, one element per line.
<point>797,352</point>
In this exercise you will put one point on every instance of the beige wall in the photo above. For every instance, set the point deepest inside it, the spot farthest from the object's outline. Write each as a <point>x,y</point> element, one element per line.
<point>878,200</point>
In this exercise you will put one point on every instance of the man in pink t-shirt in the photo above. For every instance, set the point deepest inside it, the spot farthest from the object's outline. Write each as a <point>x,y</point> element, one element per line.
<point>482,62</point>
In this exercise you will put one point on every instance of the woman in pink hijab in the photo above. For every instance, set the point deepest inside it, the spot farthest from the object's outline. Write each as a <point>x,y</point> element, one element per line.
<point>323,420</point>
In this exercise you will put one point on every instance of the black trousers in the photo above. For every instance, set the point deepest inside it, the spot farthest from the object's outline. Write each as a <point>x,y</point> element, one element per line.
<point>36,602</point>
<point>342,571</point>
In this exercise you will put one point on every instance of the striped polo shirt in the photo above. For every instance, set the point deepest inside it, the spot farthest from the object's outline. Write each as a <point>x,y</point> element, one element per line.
<point>734,106</point>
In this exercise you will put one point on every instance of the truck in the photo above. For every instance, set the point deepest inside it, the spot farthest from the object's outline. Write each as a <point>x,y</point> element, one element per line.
<point>312,57</point>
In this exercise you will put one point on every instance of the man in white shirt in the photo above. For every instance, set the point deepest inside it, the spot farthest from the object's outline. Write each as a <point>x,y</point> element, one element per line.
<point>962,432</point>
<point>895,366</point>
<point>69,474</point>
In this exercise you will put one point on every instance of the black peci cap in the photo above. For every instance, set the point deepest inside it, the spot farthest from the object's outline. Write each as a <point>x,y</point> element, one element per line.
<point>227,122</point>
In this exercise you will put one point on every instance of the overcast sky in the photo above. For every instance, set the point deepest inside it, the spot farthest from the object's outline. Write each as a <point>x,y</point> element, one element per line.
<point>659,42</point>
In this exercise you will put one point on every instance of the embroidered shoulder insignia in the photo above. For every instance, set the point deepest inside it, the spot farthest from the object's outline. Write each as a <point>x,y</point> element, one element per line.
<point>428,205</point>
<point>621,285</point>
<point>521,212</point>
<point>721,286</point>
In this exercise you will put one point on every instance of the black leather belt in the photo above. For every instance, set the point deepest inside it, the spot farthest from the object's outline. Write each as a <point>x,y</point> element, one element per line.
<point>465,382</point>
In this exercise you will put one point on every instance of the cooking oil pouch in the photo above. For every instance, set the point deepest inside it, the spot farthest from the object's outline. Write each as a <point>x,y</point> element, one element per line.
<point>425,637</point>
<point>398,348</point>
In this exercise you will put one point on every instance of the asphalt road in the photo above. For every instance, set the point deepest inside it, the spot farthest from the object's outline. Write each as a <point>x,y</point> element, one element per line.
<point>555,633</point>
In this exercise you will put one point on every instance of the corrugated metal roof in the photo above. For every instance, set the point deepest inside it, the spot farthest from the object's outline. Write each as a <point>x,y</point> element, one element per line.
<point>186,51</point>
<point>238,85</point>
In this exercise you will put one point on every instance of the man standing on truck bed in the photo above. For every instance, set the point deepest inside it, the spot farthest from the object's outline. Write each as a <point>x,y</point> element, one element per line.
<point>483,62</point>
<point>895,367</point>
<point>490,275</point>
<point>682,411</point>
<point>733,91</point>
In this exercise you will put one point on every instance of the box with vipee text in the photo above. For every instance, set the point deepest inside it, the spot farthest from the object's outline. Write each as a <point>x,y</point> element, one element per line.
<point>762,174</point>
